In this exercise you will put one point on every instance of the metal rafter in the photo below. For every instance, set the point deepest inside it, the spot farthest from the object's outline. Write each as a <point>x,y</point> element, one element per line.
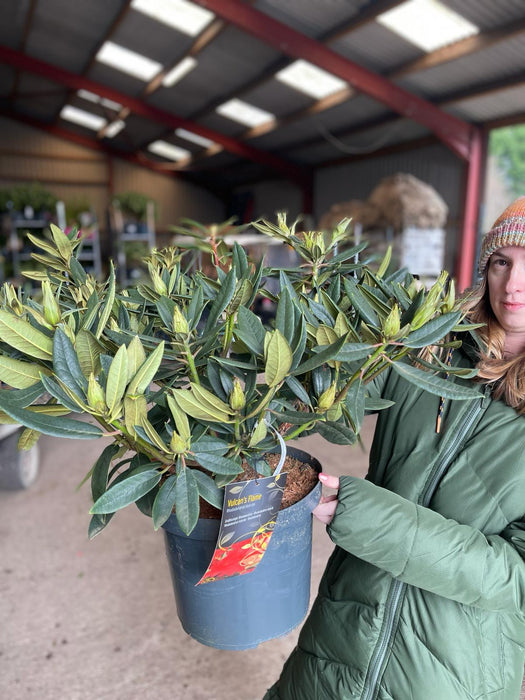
<point>76,82</point>
<point>449,53</point>
<point>454,132</point>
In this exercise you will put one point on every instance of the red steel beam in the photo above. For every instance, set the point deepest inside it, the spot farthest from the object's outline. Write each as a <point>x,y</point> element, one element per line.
<point>77,82</point>
<point>466,259</point>
<point>454,132</point>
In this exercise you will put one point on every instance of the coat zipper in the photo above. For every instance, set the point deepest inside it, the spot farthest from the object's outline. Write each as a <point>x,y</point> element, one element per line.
<point>398,587</point>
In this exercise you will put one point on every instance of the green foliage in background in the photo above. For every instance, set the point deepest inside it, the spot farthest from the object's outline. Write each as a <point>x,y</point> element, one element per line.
<point>508,145</point>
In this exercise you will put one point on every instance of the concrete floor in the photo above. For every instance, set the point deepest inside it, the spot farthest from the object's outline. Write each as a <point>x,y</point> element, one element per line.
<point>93,620</point>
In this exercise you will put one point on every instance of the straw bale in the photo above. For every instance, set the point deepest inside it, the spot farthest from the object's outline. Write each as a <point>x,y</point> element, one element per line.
<point>364,213</point>
<point>402,200</point>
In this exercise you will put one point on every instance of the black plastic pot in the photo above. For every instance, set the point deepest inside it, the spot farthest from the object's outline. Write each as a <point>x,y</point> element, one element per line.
<point>243,611</point>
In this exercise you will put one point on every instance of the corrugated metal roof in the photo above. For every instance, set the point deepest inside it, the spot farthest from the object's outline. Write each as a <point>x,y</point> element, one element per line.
<point>48,48</point>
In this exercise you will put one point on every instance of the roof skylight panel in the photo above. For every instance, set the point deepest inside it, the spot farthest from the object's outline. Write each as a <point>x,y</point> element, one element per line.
<point>128,61</point>
<point>310,79</point>
<point>182,15</point>
<point>83,118</point>
<point>246,114</point>
<point>168,150</point>
<point>427,23</point>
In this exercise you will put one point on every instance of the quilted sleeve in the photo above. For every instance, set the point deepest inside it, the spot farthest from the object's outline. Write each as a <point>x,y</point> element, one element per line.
<point>425,549</point>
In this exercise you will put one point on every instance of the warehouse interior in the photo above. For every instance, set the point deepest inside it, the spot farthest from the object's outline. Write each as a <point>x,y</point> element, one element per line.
<point>133,118</point>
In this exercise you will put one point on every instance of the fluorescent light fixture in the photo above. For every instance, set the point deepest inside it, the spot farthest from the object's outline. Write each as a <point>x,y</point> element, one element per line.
<point>114,128</point>
<point>427,23</point>
<point>310,79</point>
<point>185,16</point>
<point>86,95</point>
<point>128,61</point>
<point>168,150</point>
<point>80,116</point>
<point>244,113</point>
<point>195,138</point>
<point>179,71</point>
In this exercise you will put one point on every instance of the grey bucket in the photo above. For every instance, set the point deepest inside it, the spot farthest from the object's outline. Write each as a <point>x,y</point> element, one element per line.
<point>244,611</point>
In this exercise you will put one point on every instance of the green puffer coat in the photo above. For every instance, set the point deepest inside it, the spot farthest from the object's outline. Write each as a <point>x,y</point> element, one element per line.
<point>424,595</point>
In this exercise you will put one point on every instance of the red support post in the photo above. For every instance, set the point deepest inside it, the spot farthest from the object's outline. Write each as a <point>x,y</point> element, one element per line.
<point>466,258</point>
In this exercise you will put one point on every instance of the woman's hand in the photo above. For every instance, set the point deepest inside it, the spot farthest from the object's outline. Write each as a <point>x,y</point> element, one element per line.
<point>325,511</point>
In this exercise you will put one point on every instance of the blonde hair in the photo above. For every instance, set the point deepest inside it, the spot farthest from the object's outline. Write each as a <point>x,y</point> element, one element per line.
<point>506,375</point>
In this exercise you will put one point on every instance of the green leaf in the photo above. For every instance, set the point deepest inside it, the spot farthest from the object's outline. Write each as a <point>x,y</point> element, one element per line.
<point>88,351</point>
<point>278,358</point>
<point>354,351</point>
<point>186,500</point>
<point>24,397</point>
<point>201,404</point>
<point>98,523</point>
<point>151,434</point>
<point>355,404</point>
<point>166,307</point>
<point>127,491</point>
<point>100,471</point>
<point>21,335</point>
<point>433,331</point>
<point>108,302</point>
<point>147,371</point>
<point>360,302</point>
<point>77,272</point>
<point>435,385</point>
<point>210,445</point>
<point>66,365</point>
<point>250,330</point>
<point>54,388</point>
<point>164,502</point>
<point>208,489</point>
<point>217,464</point>
<point>285,316</point>
<point>18,374</point>
<point>61,241</point>
<point>136,356</point>
<point>337,433</point>
<point>222,300</point>
<point>375,404</point>
<point>325,355</point>
<point>49,425</point>
<point>298,390</point>
<point>117,378</point>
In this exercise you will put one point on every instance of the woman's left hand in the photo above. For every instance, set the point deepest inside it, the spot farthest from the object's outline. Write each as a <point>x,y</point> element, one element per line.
<point>325,511</point>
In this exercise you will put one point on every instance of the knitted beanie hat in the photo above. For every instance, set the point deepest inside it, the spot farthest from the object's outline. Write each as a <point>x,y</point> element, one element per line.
<point>508,230</point>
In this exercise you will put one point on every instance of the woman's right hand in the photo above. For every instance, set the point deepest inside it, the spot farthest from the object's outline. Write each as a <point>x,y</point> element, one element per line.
<point>325,510</point>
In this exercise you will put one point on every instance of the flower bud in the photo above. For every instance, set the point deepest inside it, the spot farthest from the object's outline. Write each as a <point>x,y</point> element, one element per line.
<point>51,309</point>
<point>177,444</point>
<point>237,399</point>
<point>158,282</point>
<point>327,398</point>
<point>392,323</point>
<point>180,324</point>
<point>95,394</point>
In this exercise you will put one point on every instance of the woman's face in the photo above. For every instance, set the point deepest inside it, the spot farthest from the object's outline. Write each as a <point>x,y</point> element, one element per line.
<point>506,281</point>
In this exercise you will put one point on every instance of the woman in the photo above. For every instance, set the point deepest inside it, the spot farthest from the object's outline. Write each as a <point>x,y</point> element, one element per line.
<point>423,597</point>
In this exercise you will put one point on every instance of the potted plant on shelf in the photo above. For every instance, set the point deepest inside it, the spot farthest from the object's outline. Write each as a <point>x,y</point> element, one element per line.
<point>138,212</point>
<point>30,201</point>
<point>196,392</point>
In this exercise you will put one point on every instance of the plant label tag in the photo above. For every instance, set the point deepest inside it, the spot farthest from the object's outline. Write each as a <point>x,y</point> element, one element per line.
<point>248,519</point>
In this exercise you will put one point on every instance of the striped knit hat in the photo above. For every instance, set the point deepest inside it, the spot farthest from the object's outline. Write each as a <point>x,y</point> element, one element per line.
<point>508,230</point>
